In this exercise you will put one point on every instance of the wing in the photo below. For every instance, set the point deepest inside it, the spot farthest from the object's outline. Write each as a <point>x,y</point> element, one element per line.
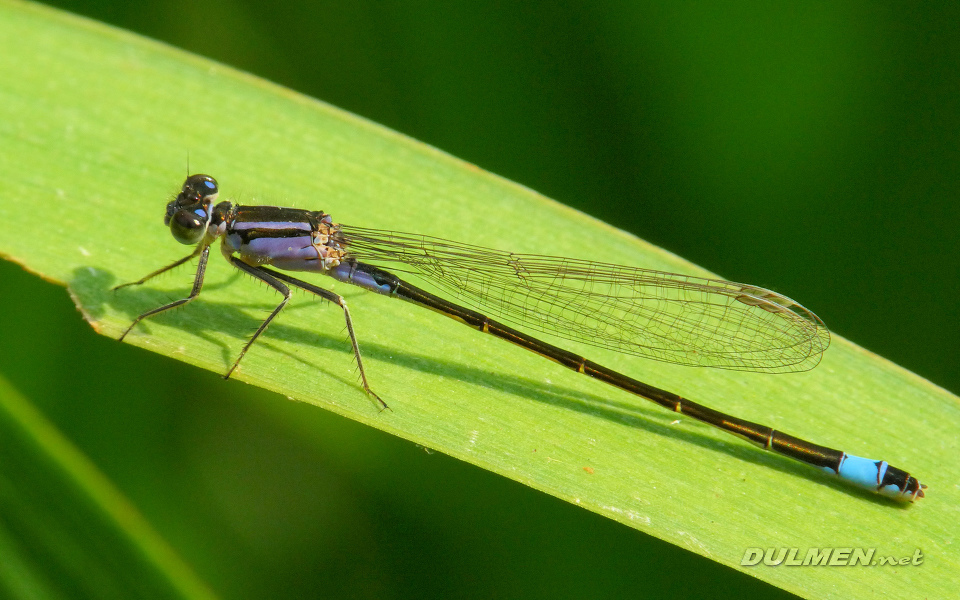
<point>663,316</point>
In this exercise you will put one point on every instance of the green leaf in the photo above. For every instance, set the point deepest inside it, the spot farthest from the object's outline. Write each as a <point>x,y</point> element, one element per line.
<point>65,531</point>
<point>95,133</point>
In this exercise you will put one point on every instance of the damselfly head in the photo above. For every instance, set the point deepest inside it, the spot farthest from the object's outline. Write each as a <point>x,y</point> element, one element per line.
<point>188,214</point>
<point>198,188</point>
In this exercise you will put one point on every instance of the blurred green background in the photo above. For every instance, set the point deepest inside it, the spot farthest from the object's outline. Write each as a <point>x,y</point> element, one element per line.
<point>812,149</point>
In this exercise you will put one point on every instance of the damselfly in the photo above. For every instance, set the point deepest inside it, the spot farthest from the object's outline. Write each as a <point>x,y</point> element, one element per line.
<point>652,314</point>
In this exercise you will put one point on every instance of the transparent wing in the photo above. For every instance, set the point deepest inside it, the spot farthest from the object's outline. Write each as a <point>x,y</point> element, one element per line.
<point>663,316</point>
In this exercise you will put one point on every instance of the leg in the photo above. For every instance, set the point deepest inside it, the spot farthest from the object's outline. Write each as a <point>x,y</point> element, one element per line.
<point>159,271</point>
<point>197,284</point>
<point>267,278</point>
<point>339,301</point>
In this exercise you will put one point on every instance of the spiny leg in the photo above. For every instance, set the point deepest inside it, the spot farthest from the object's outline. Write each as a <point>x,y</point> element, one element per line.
<point>197,284</point>
<point>261,274</point>
<point>339,301</point>
<point>174,265</point>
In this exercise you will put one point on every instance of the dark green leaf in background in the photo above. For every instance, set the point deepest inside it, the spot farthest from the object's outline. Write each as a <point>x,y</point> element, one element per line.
<point>64,530</point>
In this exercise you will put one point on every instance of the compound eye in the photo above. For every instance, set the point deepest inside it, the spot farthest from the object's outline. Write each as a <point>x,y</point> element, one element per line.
<point>187,226</point>
<point>200,187</point>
